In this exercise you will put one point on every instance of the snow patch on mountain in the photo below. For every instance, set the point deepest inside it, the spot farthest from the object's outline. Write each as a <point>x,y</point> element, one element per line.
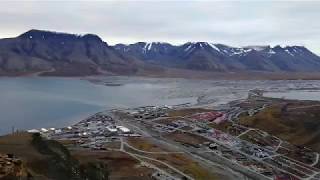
<point>214,47</point>
<point>289,52</point>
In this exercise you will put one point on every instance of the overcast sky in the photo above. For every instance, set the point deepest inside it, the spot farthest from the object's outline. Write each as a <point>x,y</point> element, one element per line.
<point>234,23</point>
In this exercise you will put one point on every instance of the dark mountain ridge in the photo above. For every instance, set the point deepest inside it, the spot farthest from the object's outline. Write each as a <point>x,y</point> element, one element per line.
<point>69,54</point>
<point>66,54</point>
<point>219,57</point>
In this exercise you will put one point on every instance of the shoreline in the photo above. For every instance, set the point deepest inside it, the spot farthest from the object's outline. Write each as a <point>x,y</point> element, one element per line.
<point>187,74</point>
<point>200,101</point>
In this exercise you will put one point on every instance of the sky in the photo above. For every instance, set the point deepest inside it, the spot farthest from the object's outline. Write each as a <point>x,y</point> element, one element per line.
<point>235,23</point>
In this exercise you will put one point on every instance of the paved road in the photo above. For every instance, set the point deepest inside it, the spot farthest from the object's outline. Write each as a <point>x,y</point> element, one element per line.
<point>316,161</point>
<point>149,152</point>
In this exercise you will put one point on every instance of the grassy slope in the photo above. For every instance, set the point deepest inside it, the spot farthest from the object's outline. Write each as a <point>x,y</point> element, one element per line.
<point>120,165</point>
<point>298,126</point>
<point>49,159</point>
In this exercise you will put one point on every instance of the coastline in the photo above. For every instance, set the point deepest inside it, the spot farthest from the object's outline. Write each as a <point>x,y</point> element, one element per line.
<point>184,74</point>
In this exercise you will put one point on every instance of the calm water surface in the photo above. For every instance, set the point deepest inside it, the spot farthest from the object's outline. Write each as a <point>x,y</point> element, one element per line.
<point>35,102</point>
<point>27,103</point>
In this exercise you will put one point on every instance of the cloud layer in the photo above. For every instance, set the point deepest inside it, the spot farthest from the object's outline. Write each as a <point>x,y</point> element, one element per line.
<point>233,23</point>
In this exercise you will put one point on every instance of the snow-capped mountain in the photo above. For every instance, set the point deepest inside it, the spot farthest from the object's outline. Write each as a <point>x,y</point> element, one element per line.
<point>70,54</point>
<point>151,52</point>
<point>220,57</point>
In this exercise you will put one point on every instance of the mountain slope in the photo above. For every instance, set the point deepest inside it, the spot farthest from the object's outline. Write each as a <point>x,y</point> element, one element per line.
<point>53,53</point>
<point>68,54</point>
<point>219,57</point>
<point>155,52</point>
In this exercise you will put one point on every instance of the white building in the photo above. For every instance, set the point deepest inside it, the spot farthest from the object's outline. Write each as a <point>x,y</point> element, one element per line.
<point>123,129</point>
<point>112,129</point>
<point>33,131</point>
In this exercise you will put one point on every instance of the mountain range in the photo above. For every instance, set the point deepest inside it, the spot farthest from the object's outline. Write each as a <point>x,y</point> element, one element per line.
<point>69,54</point>
<point>219,57</point>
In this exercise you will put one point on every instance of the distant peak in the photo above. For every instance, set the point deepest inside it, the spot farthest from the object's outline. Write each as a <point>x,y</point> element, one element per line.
<point>287,46</point>
<point>35,33</point>
<point>32,31</point>
<point>258,47</point>
<point>156,43</point>
<point>91,37</point>
<point>198,43</point>
<point>43,34</point>
<point>291,49</point>
<point>201,45</point>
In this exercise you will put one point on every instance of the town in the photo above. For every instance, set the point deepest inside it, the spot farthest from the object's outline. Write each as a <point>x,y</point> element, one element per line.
<point>207,135</point>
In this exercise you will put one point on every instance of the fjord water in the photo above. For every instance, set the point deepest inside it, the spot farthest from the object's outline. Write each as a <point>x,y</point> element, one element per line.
<point>35,102</point>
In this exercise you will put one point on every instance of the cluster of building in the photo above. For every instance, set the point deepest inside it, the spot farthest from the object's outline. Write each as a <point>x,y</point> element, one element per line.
<point>149,112</point>
<point>256,152</point>
<point>227,146</point>
<point>235,143</point>
<point>257,158</point>
<point>216,117</point>
<point>238,158</point>
<point>221,137</point>
<point>253,149</point>
<point>292,159</point>
<point>171,126</point>
<point>263,167</point>
<point>262,139</point>
<point>92,132</point>
<point>163,128</point>
<point>253,156</point>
